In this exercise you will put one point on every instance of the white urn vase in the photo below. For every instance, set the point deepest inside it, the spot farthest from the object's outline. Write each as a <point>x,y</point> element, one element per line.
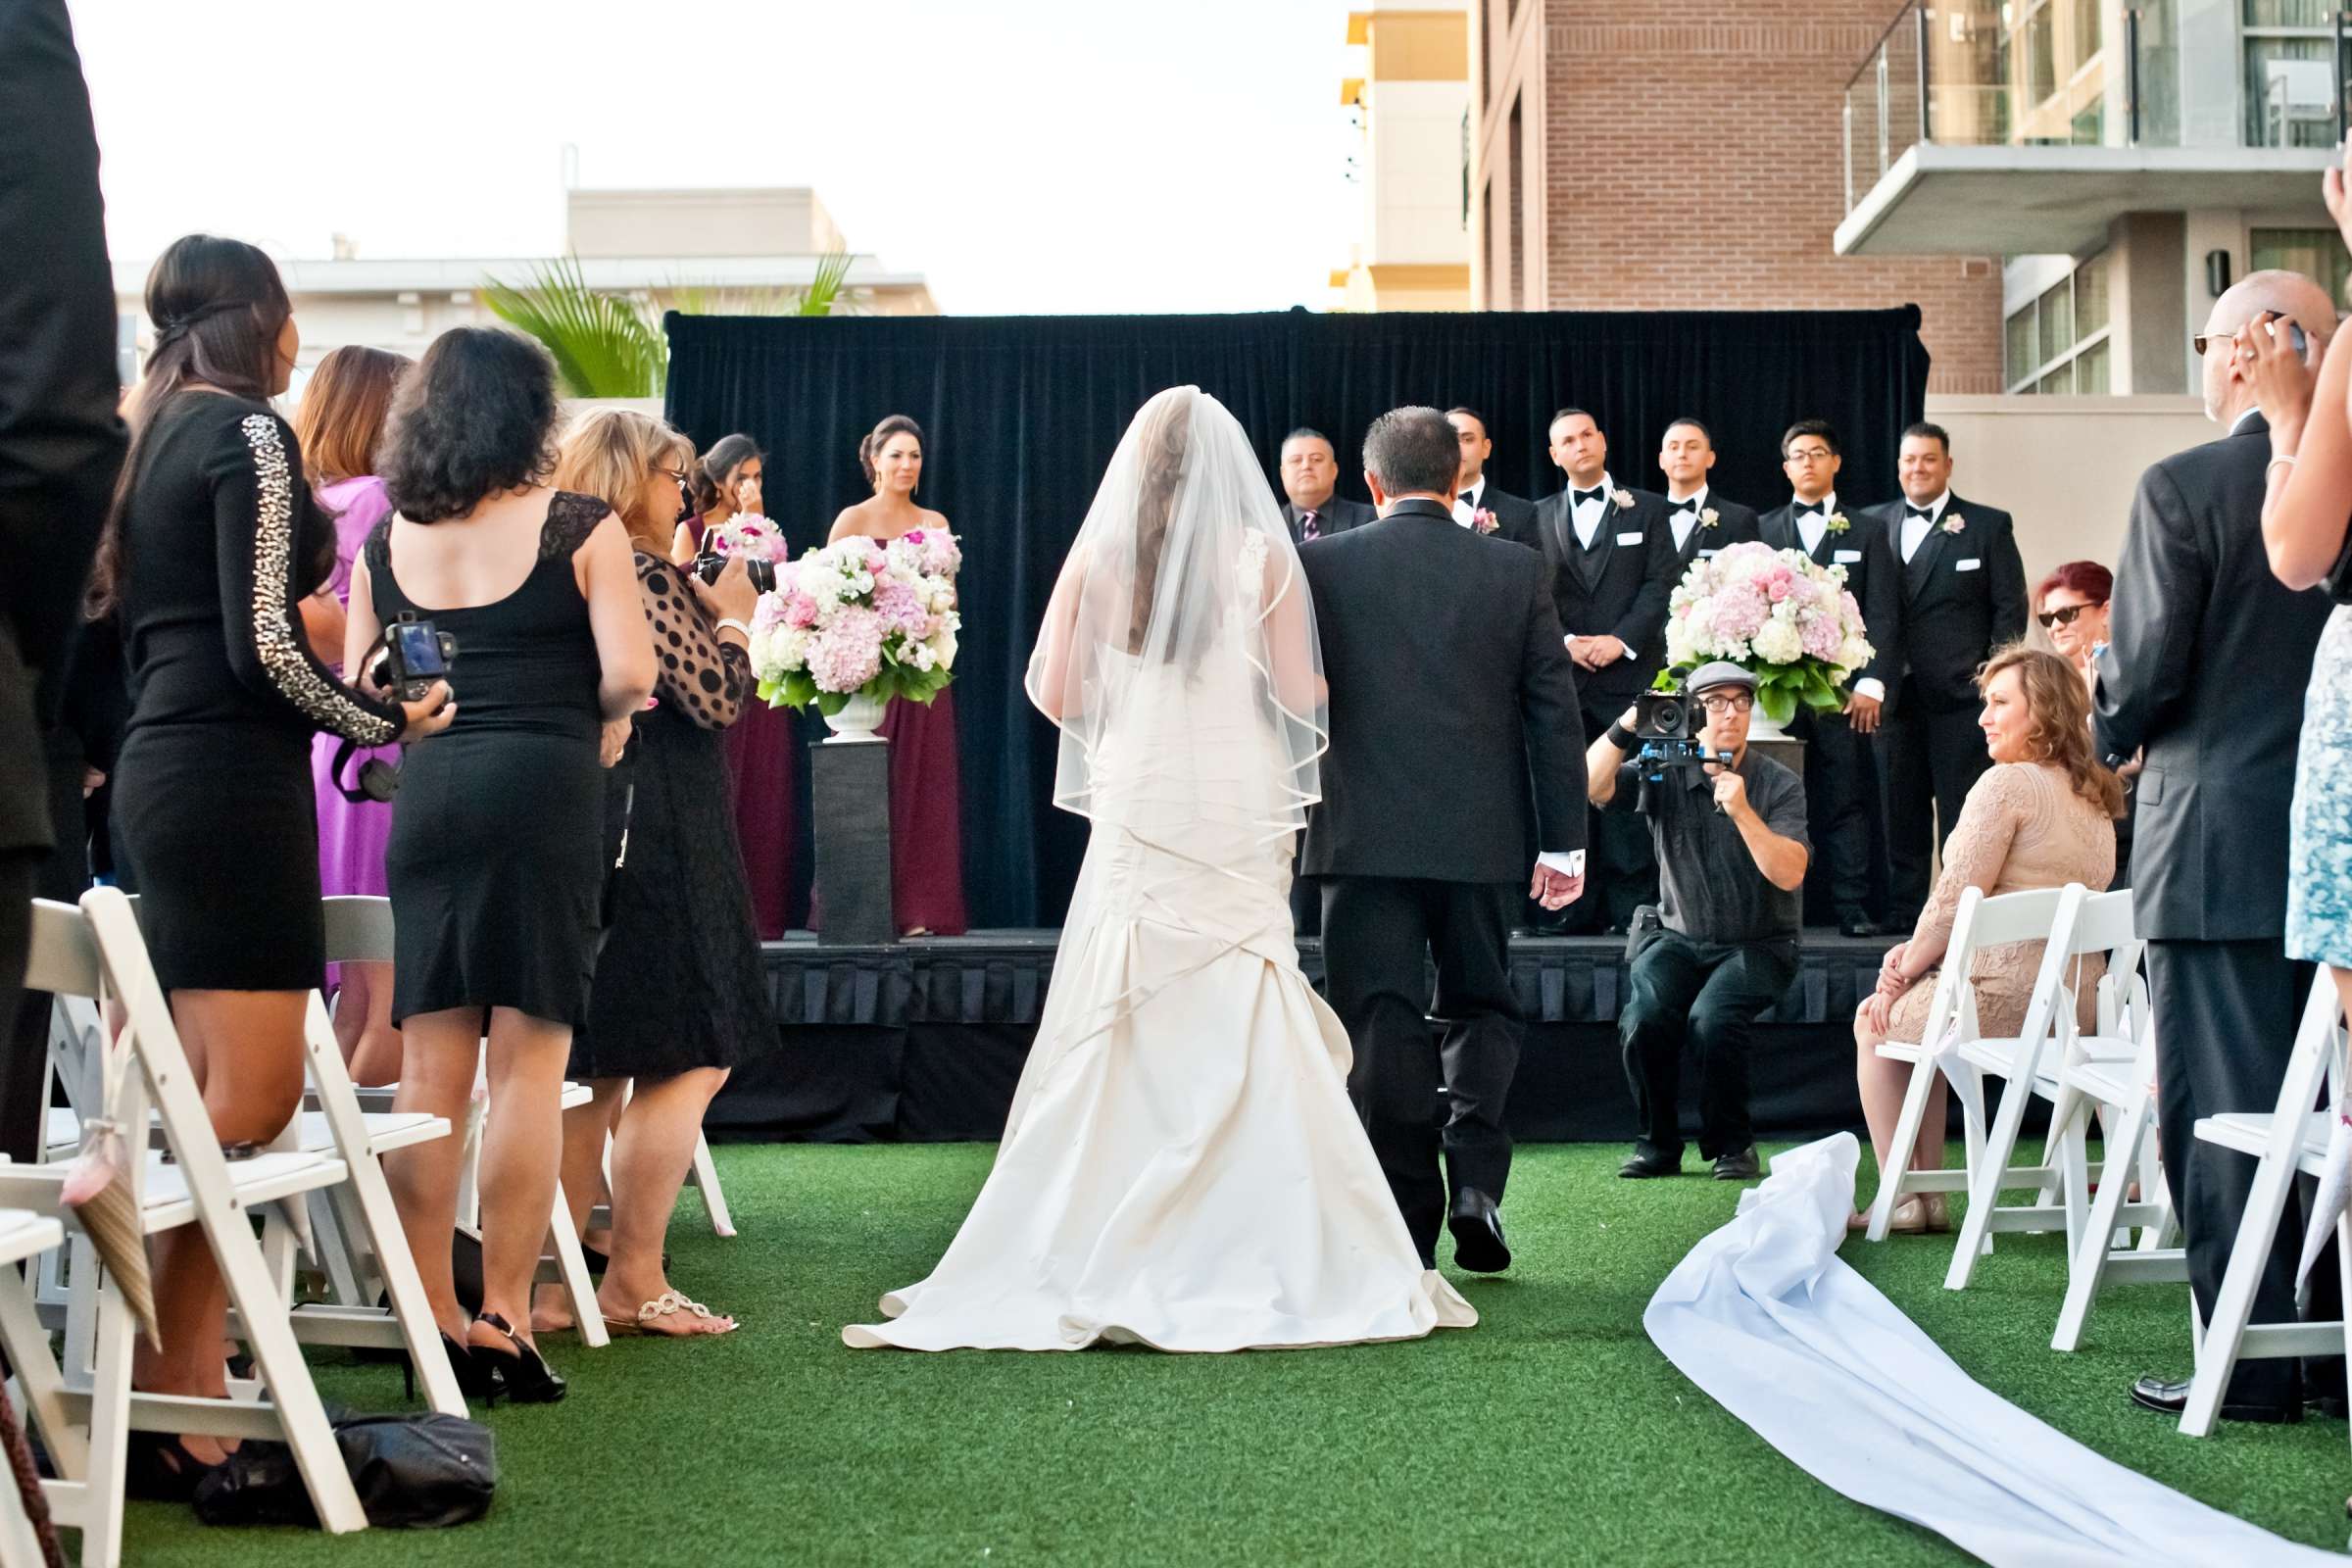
<point>857,721</point>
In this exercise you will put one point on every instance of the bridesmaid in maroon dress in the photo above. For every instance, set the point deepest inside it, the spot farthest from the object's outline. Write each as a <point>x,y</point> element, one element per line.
<point>762,746</point>
<point>926,799</point>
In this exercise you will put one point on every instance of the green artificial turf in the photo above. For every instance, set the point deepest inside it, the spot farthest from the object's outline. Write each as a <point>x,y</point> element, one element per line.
<point>1553,1433</point>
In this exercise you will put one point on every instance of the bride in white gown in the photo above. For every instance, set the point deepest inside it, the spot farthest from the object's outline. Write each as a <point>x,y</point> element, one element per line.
<point>1182,1166</point>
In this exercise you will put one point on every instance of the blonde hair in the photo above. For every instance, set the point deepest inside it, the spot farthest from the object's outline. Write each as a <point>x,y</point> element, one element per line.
<point>608,453</point>
<point>2058,713</point>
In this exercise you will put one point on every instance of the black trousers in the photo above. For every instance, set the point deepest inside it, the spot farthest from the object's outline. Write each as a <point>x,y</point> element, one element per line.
<point>2226,1016</point>
<point>1706,994</point>
<point>1621,867</point>
<point>26,1039</point>
<point>1931,759</point>
<point>1840,793</point>
<point>1379,934</point>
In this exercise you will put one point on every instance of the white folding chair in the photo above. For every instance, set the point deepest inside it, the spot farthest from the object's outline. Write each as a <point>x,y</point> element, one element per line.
<point>2288,1141</point>
<point>2070,922</point>
<point>24,1236</point>
<point>701,1175</point>
<point>86,1408</point>
<point>1951,1013</point>
<point>2122,1090</point>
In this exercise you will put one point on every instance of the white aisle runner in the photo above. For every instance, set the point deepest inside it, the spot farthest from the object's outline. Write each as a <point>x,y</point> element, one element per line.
<point>1767,1319</point>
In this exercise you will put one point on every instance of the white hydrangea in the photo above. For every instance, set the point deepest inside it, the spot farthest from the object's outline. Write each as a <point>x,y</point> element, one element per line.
<point>1778,641</point>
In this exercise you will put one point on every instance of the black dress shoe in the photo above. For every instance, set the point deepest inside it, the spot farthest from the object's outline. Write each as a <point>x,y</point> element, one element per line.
<point>1854,923</point>
<point>1645,1165</point>
<point>2171,1399</point>
<point>1742,1167</point>
<point>1478,1244</point>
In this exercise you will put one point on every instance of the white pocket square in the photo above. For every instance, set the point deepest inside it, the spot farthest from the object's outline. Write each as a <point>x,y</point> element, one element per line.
<point>1706,554</point>
<point>1970,565</point>
<point>1839,558</point>
<point>1632,538</point>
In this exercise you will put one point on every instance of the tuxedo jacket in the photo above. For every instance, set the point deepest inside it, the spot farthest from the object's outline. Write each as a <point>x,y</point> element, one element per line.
<point>1336,515</point>
<point>1450,693</point>
<point>1964,595</point>
<point>1514,516</point>
<point>61,443</point>
<point>1733,524</point>
<point>1620,586</point>
<point>2206,664</point>
<point>1871,575</point>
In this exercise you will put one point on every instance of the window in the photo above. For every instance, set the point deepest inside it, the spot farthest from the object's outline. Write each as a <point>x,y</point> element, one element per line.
<point>2059,343</point>
<point>2313,252</point>
<point>2293,78</point>
<point>1515,171</point>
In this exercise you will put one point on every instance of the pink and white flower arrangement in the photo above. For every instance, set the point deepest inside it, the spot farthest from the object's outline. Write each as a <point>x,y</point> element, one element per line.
<point>1776,612</point>
<point>861,618</point>
<point>748,534</point>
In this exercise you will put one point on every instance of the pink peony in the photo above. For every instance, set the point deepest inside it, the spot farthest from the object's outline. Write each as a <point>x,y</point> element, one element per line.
<point>770,612</point>
<point>799,610</point>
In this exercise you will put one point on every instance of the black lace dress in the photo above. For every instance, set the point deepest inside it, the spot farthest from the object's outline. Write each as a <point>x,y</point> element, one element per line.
<point>680,984</point>
<point>495,863</point>
<point>213,798</point>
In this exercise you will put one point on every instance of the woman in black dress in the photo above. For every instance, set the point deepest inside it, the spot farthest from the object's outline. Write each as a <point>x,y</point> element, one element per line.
<point>212,544</point>
<point>495,863</point>
<point>681,992</point>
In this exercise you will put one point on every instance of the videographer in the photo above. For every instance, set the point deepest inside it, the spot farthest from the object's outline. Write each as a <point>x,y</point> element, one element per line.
<point>1721,947</point>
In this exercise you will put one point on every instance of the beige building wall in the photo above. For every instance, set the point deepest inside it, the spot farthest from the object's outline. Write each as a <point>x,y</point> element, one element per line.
<point>785,221</point>
<point>1415,251</point>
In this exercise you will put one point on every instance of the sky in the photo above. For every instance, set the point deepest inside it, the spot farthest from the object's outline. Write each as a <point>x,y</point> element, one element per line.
<point>1027,156</point>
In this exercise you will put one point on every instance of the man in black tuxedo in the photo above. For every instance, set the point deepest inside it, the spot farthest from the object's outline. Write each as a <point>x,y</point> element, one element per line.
<point>1612,567</point>
<point>1840,778</point>
<point>1964,595</point>
<point>1478,504</point>
<point>2205,672</point>
<point>61,446</point>
<point>1451,688</point>
<point>1311,477</point>
<point>1700,522</point>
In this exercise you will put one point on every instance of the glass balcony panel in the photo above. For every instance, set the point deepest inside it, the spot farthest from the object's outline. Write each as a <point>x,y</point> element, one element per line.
<point>2057,333</point>
<point>2090,297</point>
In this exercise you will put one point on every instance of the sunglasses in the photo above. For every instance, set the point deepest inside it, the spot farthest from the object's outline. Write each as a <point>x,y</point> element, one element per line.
<point>2064,614</point>
<point>2294,336</point>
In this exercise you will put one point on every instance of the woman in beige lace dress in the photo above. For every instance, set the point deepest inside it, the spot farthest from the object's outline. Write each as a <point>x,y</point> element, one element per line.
<point>2044,815</point>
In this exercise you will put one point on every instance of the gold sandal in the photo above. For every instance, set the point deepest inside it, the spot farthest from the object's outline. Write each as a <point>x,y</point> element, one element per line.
<point>669,1303</point>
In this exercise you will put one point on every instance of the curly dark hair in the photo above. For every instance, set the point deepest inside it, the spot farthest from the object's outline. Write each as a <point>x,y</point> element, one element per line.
<point>714,475</point>
<point>477,415</point>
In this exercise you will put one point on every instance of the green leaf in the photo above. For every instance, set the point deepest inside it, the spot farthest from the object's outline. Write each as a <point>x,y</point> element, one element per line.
<point>603,345</point>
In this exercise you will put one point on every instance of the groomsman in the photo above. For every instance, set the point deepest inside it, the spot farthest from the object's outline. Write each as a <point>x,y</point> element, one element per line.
<point>1841,782</point>
<point>1964,595</point>
<point>1505,516</point>
<point>1310,476</point>
<point>1611,561</point>
<point>1700,522</point>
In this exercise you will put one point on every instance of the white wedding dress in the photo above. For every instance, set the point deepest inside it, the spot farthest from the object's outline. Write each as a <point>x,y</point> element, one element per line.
<point>1182,1166</point>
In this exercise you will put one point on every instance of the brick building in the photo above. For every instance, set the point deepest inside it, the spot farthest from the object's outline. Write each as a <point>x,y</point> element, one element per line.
<point>2059,185</point>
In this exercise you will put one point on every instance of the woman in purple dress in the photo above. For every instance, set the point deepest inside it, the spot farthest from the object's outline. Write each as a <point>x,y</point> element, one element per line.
<point>926,799</point>
<point>763,757</point>
<point>340,426</point>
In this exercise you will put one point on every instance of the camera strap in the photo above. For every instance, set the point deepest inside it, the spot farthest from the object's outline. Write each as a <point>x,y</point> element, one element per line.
<point>378,780</point>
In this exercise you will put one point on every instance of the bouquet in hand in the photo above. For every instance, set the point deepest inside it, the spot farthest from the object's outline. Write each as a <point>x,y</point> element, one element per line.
<point>747,534</point>
<point>861,618</point>
<point>1778,613</point>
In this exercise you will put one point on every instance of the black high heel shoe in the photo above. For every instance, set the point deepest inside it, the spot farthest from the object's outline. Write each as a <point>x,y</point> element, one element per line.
<point>526,1378</point>
<point>479,1378</point>
<point>159,1468</point>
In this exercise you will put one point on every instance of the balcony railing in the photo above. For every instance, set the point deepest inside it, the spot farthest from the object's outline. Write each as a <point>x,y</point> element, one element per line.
<point>2088,72</point>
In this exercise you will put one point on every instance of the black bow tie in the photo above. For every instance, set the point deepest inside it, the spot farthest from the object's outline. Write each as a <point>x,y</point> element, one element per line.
<point>1577,498</point>
<point>1923,514</point>
<point>1803,512</point>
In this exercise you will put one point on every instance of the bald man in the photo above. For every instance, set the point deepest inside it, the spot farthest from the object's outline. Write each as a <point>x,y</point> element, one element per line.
<point>2205,670</point>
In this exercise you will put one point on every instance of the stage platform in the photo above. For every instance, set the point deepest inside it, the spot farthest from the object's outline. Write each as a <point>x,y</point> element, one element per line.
<point>923,1041</point>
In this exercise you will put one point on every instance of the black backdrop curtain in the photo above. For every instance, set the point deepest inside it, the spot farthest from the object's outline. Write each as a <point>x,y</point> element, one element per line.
<point>1022,412</point>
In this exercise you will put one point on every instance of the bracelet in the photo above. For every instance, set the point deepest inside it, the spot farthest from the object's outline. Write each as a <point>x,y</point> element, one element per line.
<point>1625,740</point>
<point>737,625</point>
<point>2286,458</point>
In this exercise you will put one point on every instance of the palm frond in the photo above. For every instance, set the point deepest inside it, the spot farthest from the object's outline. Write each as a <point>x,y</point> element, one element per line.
<point>602,345</point>
<point>824,291</point>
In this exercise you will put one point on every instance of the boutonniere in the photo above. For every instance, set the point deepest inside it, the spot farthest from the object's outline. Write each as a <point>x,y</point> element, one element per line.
<point>1622,500</point>
<point>1837,523</point>
<point>1954,524</point>
<point>1483,522</point>
<point>1709,517</point>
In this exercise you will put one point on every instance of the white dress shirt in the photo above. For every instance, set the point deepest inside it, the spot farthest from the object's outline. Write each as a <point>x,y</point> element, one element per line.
<point>1587,513</point>
<point>1811,530</point>
<point>1686,514</point>
<point>1465,505</point>
<point>1915,529</point>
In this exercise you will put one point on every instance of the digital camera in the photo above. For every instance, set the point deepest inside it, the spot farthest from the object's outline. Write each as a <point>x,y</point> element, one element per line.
<point>709,563</point>
<point>415,655</point>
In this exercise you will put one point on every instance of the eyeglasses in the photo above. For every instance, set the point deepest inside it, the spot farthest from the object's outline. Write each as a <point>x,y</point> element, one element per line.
<point>2064,614</point>
<point>1732,702</point>
<point>1809,455</point>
